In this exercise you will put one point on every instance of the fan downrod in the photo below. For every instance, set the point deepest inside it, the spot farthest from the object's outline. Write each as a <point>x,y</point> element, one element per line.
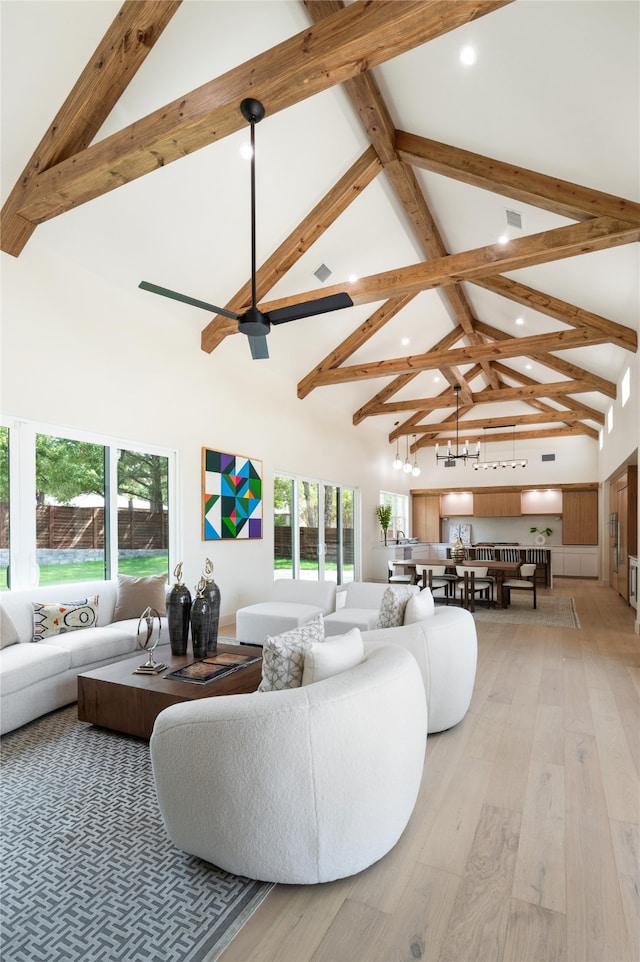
<point>252,110</point>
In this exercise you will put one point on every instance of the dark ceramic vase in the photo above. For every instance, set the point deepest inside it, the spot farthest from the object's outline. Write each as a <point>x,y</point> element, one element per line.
<point>200,625</point>
<point>212,593</point>
<point>178,613</point>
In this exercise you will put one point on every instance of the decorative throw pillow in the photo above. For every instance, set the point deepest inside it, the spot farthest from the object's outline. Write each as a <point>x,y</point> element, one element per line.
<point>136,594</point>
<point>283,655</point>
<point>394,601</point>
<point>327,658</point>
<point>8,631</point>
<point>419,607</point>
<point>56,618</point>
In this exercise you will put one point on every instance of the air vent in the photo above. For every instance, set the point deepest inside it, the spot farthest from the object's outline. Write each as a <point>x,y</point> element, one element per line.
<point>322,273</point>
<point>514,219</point>
<point>548,457</point>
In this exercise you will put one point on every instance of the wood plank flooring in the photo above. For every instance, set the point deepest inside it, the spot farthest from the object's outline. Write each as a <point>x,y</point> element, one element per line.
<point>525,842</point>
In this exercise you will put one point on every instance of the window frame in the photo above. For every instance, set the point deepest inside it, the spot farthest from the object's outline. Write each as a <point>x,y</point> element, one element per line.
<point>22,494</point>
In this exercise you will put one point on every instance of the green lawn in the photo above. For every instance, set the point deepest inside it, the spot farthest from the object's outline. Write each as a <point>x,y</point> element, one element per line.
<point>94,570</point>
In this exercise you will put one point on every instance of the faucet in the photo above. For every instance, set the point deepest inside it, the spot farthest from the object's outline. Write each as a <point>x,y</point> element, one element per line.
<point>398,533</point>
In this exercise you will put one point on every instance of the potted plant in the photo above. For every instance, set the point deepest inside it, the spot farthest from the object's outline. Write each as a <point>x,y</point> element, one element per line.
<point>542,532</point>
<point>383,514</point>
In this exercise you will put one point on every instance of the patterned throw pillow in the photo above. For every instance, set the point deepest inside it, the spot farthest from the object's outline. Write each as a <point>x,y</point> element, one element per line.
<point>394,601</point>
<point>56,618</point>
<point>283,655</point>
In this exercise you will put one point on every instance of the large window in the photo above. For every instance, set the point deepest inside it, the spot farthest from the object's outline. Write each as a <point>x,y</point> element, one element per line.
<point>83,508</point>
<point>314,530</point>
<point>399,513</point>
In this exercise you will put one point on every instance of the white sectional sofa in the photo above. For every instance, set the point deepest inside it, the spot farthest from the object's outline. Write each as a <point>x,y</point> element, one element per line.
<point>358,606</point>
<point>37,677</point>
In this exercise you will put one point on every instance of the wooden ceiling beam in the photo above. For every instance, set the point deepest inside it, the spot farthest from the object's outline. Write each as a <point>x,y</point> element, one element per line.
<point>574,430</point>
<point>354,39</point>
<point>403,379</point>
<point>565,399</point>
<point>354,341</point>
<point>365,95</point>
<point>514,347</point>
<point>115,62</point>
<point>447,399</point>
<point>598,234</point>
<point>527,186</point>
<point>624,337</point>
<point>505,421</point>
<point>302,237</point>
<point>572,371</point>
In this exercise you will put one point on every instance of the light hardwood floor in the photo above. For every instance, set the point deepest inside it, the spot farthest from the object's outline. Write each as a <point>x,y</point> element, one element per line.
<point>525,841</point>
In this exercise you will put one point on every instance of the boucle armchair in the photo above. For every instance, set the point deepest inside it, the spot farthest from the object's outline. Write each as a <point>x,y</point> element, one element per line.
<point>298,786</point>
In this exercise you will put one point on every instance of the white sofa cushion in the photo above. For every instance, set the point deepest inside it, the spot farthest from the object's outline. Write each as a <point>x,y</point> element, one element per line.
<point>8,631</point>
<point>322,594</point>
<point>326,658</point>
<point>24,665</point>
<point>419,607</point>
<point>85,648</point>
<point>343,620</point>
<point>283,655</point>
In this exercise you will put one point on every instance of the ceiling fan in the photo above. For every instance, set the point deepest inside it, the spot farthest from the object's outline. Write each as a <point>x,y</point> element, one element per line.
<point>254,323</point>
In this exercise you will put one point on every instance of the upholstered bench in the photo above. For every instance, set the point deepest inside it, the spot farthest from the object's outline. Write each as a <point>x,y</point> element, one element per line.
<point>293,603</point>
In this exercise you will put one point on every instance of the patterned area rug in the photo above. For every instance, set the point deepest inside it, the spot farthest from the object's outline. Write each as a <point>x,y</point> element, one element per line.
<point>550,613</point>
<point>88,872</point>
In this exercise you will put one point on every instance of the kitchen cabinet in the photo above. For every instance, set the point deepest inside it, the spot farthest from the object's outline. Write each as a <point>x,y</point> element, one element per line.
<point>580,516</point>
<point>459,504</point>
<point>425,512</point>
<point>623,503</point>
<point>496,504</point>
<point>580,561</point>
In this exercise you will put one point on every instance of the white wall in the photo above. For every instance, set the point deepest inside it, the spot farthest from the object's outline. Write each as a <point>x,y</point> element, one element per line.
<point>78,354</point>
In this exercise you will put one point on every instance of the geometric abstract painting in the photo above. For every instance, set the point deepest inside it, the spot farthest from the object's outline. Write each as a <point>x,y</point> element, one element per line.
<point>231,496</point>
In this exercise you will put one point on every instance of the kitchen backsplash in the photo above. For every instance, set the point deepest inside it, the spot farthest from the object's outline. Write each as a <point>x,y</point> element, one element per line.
<point>503,530</point>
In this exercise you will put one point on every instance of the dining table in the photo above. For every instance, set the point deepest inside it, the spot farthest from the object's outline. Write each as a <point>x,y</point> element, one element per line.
<point>497,569</point>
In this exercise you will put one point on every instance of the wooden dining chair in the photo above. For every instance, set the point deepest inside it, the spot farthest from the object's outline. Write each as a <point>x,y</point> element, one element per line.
<point>434,577</point>
<point>526,582</point>
<point>473,585</point>
<point>397,579</point>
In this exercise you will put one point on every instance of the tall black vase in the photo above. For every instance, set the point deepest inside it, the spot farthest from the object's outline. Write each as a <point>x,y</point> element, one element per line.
<point>212,593</point>
<point>178,613</point>
<point>200,625</point>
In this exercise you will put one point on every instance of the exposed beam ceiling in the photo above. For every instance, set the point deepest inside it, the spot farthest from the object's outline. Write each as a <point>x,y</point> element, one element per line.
<point>343,46</point>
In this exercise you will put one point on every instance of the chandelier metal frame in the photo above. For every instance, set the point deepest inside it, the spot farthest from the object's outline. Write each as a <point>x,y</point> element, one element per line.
<point>465,455</point>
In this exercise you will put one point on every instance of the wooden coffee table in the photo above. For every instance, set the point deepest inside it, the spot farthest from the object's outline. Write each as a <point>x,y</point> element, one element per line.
<point>115,697</point>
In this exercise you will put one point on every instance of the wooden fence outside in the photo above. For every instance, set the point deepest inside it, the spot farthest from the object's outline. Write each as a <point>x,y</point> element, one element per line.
<point>309,543</point>
<point>62,527</point>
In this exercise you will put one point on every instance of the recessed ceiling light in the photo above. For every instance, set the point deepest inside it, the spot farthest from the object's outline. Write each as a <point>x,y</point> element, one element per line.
<point>468,55</point>
<point>246,152</point>
<point>405,341</point>
<point>528,367</point>
<point>353,278</point>
<point>520,321</point>
<point>436,379</point>
<point>503,239</point>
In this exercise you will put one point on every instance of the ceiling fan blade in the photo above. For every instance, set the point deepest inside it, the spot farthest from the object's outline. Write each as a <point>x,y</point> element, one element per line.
<point>335,302</point>
<point>259,349</point>
<point>146,286</point>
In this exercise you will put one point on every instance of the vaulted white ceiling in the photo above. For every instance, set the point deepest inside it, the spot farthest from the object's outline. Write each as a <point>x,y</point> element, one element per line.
<point>555,90</point>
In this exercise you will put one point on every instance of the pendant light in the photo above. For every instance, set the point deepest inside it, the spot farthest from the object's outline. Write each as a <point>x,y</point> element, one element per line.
<point>397,463</point>
<point>415,470</point>
<point>406,467</point>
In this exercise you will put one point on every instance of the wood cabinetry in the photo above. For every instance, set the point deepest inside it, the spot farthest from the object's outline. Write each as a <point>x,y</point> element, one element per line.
<point>425,511</point>
<point>496,504</point>
<point>580,516</point>
<point>623,533</point>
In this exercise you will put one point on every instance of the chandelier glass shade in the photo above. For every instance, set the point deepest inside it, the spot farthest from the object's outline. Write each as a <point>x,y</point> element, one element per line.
<point>463,455</point>
<point>512,463</point>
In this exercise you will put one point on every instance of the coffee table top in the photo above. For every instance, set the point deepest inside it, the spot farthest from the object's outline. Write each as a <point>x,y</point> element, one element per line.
<point>124,672</point>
